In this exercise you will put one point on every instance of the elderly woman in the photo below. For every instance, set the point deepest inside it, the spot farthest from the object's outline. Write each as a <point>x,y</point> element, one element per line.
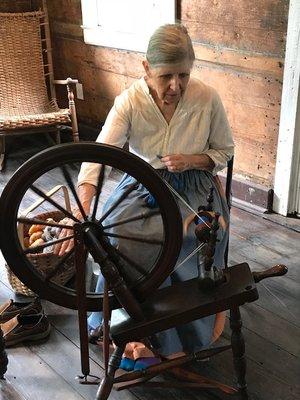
<point>170,114</point>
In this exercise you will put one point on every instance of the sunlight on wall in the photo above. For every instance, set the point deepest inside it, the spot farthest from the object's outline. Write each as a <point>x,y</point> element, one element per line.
<point>124,24</point>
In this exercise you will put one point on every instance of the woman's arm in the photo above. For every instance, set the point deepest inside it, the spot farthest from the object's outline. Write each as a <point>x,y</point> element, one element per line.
<point>114,132</point>
<point>86,192</point>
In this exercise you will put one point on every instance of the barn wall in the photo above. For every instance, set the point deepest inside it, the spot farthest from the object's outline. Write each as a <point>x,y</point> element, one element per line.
<point>239,49</point>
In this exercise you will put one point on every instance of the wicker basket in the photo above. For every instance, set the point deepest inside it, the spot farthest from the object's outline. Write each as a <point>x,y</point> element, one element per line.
<point>44,262</point>
<point>18,286</point>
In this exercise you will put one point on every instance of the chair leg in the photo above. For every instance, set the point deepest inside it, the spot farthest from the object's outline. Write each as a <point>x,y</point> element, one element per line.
<point>57,136</point>
<point>107,382</point>
<point>238,351</point>
<point>2,152</point>
<point>54,137</point>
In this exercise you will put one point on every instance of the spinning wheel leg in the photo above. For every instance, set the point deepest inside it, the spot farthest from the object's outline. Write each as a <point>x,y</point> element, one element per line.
<point>108,381</point>
<point>238,350</point>
<point>80,258</point>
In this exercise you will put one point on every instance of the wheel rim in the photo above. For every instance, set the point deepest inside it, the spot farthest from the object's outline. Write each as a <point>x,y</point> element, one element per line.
<point>37,170</point>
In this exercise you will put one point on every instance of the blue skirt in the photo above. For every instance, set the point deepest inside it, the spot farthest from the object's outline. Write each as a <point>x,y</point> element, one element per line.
<point>193,186</point>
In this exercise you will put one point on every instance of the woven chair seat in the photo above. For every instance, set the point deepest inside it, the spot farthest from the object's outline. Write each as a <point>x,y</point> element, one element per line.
<point>48,117</point>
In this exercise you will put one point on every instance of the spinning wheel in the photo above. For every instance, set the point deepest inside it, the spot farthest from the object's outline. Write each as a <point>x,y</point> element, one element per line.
<point>61,165</point>
<point>131,280</point>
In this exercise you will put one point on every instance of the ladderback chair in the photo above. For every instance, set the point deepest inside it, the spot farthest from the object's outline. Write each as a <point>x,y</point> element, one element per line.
<point>27,92</point>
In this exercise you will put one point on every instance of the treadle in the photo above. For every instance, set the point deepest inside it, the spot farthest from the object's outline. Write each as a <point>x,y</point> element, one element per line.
<point>184,378</point>
<point>184,302</point>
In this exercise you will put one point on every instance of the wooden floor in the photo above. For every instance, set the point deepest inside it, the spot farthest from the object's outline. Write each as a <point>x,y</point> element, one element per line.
<point>47,371</point>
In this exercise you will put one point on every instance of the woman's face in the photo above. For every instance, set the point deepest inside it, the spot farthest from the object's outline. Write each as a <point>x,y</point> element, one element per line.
<point>168,81</point>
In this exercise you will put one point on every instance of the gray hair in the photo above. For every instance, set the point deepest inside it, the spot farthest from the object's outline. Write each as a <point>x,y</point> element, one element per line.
<point>170,44</point>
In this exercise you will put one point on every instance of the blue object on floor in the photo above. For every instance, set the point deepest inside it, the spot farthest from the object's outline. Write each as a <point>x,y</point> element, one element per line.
<point>127,364</point>
<point>145,362</point>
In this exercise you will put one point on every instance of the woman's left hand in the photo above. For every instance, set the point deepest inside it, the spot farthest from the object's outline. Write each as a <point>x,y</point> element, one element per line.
<point>177,162</point>
<point>183,162</point>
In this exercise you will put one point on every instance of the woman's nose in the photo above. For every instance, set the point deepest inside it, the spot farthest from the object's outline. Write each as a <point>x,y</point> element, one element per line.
<point>175,83</point>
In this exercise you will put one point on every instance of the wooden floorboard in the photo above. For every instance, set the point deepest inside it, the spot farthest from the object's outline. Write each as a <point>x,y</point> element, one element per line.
<point>271,326</point>
<point>8,391</point>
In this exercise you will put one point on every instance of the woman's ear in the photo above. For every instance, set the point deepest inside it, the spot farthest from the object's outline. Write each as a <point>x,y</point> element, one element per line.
<point>146,68</point>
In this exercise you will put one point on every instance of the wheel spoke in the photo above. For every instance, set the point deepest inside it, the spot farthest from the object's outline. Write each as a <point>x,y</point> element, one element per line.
<point>70,183</point>
<point>129,261</point>
<point>32,250</point>
<point>35,221</point>
<point>61,261</point>
<point>134,238</point>
<point>119,201</point>
<point>143,215</point>
<point>54,203</point>
<point>98,190</point>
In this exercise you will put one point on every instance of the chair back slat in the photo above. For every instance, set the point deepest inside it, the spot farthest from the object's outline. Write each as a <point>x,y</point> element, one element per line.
<point>23,87</point>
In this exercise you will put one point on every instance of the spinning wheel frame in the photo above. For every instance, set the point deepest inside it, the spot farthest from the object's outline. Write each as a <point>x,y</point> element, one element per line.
<point>86,152</point>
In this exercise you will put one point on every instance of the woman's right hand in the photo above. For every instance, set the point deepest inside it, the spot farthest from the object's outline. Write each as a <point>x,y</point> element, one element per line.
<point>86,193</point>
<point>64,247</point>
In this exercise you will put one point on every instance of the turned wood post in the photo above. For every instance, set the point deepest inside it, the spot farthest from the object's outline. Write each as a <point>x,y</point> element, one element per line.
<point>238,350</point>
<point>107,382</point>
<point>72,109</point>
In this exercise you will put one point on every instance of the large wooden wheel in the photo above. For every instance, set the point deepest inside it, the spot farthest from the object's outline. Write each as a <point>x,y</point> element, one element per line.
<point>60,165</point>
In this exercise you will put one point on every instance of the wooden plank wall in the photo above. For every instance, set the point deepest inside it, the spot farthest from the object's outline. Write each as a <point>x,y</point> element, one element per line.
<point>239,50</point>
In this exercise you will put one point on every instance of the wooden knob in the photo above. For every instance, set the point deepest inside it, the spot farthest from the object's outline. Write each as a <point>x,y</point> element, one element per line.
<point>276,270</point>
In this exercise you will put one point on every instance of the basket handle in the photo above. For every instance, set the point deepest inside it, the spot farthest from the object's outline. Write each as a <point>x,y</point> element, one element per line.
<point>37,203</point>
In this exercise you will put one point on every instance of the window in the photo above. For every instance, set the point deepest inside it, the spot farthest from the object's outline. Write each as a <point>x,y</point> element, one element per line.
<point>124,24</point>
